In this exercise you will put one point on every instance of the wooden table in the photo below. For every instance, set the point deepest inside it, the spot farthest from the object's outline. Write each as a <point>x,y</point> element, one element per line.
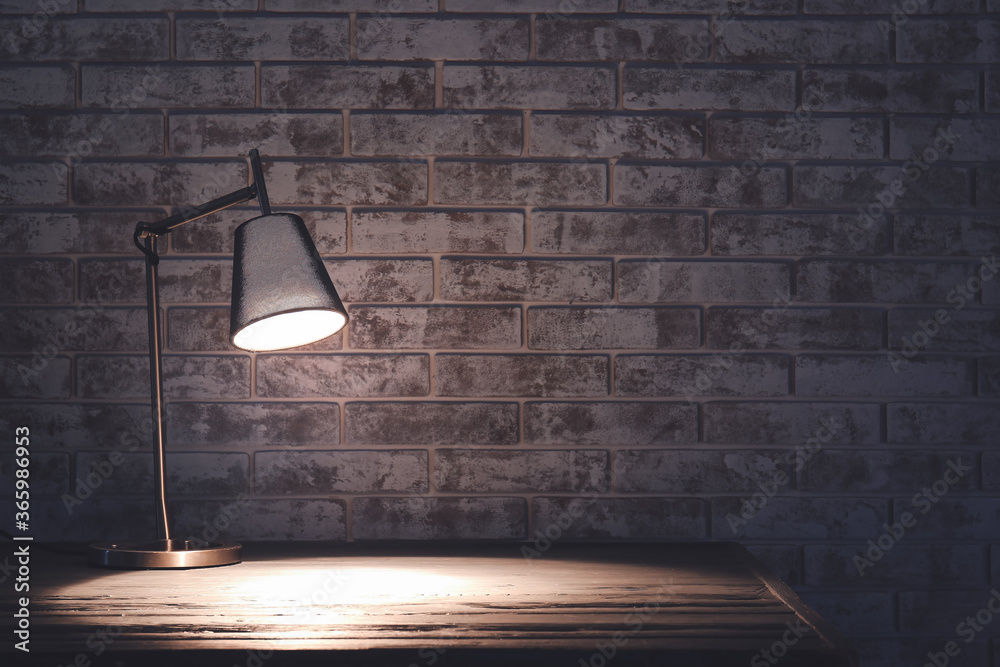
<point>430,605</point>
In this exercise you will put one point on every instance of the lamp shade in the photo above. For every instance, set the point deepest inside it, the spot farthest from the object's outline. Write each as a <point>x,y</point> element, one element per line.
<point>282,294</point>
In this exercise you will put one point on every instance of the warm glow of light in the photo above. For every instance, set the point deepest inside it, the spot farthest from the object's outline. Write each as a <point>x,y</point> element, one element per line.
<point>289,330</point>
<point>335,585</point>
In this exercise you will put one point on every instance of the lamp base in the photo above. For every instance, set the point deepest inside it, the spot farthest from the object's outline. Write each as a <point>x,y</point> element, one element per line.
<point>165,554</point>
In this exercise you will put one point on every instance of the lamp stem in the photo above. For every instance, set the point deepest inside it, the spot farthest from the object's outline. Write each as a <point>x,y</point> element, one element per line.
<point>258,182</point>
<point>156,386</point>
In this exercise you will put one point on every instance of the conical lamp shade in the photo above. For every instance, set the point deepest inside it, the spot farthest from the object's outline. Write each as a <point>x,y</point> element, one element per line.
<point>282,294</point>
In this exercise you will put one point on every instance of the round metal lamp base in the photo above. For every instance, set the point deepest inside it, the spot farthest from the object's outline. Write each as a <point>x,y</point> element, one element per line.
<point>165,554</point>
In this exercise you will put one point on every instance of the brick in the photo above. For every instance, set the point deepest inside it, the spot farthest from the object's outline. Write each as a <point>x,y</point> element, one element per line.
<point>423,230</point>
<point>962,331</point>
<point>535,375</point>
<point>885,90</point>
<point>94,328</point>
<point>791,137</point>
<point>766,423</point>
<point>187,472</point>
<point>684,471</point>
<point>428,327</point>
<point>877,375</point>
<point>214,234</point>
<point>89,520</point>
<point>253,424</point>
<point>799,518</point>
<point>798,234</point>
<point>930,139</point>
<point>184,377</point>
<point>352,471</point>
<point>725,9</point>
<point>69,231</point>
<point>732,374</point>
<point>506,471</point>
<point>482,279</point>
<point>609,232</point>
<point>520,87</point>
<point>170,5</point>
<point>152,183</point>
<point>439,518</point>
<point>37,87</point>
<point>352,6</point>
<point>161,86</point>
<point>888,7</point>
<point>945,234</point>
<point>937,612</point>
<point>181,280</point>
<point>883,471</point>
<point>916,565</point>
<point>535,6</point>
<point>347,86</point>
<point>878,281</point>
<point>619,39</point>
<point>57,135</point>
<point>578,328</point>
<point>393,280</point>
<point>856,612</point>
<point>593,423</point>
<point>967,423</point>
<point>951,41</point>
<point>621,518</point>
<point>274,134</point>
<point>342,375</point>
<point>954,519</point>
<point>780,559</point>
<point>436,134</point>
<point>259,38</point>
<point>787,328</point>
<point>270,520</point>
<point>699,186</point>
<point>992,92</point>
<point>325,183</point>
<point>86,39</point>
<point>851,187</point>
<point>50,474</point>
<point>207,329</point>
<point>520,183</point>
<point>987,187</point>
<point>39,280</point>
<point>991,472</point>
<point>801,42</point>
<point>989,376</point>
<point>81,425</point>
<point>384,37</point>
<point>431,423</point>
<point>43,376</point>
<point>30,6</point>
<point>708,89</point>
<point>32,183</point>
<point>670,281</point>
<point>633,136</point>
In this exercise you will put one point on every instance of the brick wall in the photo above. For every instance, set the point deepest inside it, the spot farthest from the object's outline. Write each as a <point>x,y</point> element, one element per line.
<point>689,270</point>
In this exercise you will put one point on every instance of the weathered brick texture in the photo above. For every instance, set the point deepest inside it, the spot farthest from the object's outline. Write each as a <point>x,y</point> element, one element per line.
<point>628,269</point>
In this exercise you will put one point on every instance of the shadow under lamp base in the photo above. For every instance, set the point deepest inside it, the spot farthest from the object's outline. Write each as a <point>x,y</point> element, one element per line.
<point>165,554</point>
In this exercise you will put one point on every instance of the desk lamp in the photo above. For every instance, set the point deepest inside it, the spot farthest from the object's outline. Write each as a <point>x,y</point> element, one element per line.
<point>282,297</point>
